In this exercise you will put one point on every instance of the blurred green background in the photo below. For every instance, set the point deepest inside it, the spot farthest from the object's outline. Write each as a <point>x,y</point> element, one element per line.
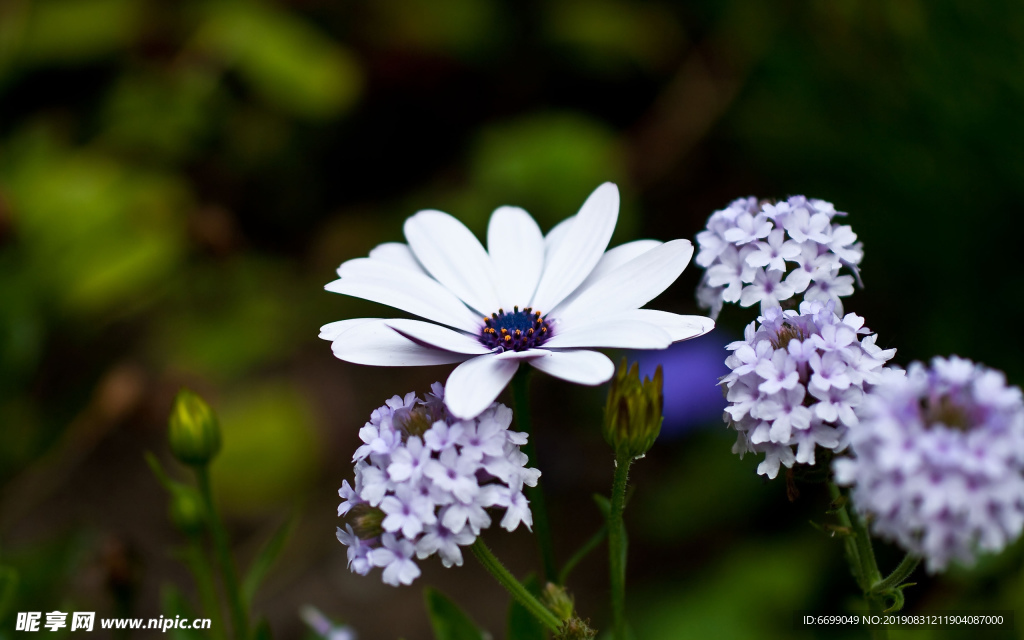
<point>179,180</point>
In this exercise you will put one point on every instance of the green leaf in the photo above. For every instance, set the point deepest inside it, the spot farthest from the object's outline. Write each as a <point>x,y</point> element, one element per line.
<point>521,623</point>
<point>8,586</point>
<point>447,619</point>
<point>604,504</point>
<point>265,560</point>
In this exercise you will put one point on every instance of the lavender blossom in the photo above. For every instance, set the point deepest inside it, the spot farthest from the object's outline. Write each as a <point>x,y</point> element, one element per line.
<point>424,481</point>
<point>939,461</point>
<point>796,379</point>
<point>758,252</point>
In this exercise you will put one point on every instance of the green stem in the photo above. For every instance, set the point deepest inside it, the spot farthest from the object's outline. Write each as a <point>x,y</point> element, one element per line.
<point>513,586</point>
<point>862,559</point>
<point>203,574</point>
<point>538,503</point>
<point>592,543</point>
<point>617,545</point>
<point>222,551</point>
<point>898,575</point>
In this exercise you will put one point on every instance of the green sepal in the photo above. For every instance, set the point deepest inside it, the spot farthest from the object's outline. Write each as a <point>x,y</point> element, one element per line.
<point>447,619</point>
<point>265,559</point>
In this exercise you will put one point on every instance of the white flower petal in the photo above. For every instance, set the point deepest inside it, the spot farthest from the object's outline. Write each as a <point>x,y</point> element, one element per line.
<point>612,334</point>
<point>632,285</point>
<point>434,335</point>
<point>516,247</point>
<point>333,330</point>
<point>577,254</point>
<point>401,288</point>
<point>529,354</point>
<point>555,236</point>
<point>375,343</point>
<point>476,383</point>
<point>398,254</point>
<point>618,256</point>
<point>582,367</point>
<point>679,327</point>
<point>452,254</point>
<point>611,260</point>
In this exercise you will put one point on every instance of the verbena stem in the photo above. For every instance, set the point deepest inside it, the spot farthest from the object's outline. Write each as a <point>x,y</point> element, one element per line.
<point>617,545</point>
<point>538,503</point>
<point>898,575</point>
<point>861,557</point>
<point>222,551</point>
<point>513,586</point>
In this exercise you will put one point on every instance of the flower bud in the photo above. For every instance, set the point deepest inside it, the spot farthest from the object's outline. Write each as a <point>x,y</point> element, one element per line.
<point>558,601</point>
<point>194,433</point>
<point>633,414</point>
<point>188,512</point>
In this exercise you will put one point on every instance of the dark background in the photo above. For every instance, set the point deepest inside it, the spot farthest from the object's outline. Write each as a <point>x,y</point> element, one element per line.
<point>179,180</point>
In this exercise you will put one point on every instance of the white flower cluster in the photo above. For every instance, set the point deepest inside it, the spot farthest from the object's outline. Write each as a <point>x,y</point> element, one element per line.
<point>796,380</point>
<point>760,252</point>
<point>423,482</point>
<point>939,458</point>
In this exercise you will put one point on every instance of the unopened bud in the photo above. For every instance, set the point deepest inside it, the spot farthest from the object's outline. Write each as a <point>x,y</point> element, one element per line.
<point>187,511</point>
<point>367,521</point>
<point>633,414</point>
<point>194,432</point>
<point>558,601</point>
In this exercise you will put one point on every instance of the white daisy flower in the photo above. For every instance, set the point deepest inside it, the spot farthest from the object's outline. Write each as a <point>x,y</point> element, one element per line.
<point>525,299</point>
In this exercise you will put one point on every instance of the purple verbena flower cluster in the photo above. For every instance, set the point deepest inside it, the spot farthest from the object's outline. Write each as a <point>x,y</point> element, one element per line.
<point>939,461</point>
<point>423,483</point>
<point>754,251</point>
<point>796,379</point>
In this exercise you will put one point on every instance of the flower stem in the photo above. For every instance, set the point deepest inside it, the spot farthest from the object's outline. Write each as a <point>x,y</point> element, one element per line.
<point>617,545</point>
<point>862,558</point>
<point>239,619</point>
<point>513,586</point>
<point>538,503</point>
<point>203,574</point>
<point>899,574</point>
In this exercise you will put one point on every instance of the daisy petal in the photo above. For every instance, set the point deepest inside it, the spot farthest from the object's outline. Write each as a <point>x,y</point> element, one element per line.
<point>613,334</point>
<point>679,327</point>
<point>375,343</point>
<point>610,261</point>
<point>572,259</point>
<point>618,256</point>
<point>398,254</point>
<point>333,330</point>
<point>516,247</point>
<point>632,285</point>
<point>434,335</point>
<point>401,288</point>
<point>452,254</point>
<point>582,367</point>
<point>476,383</point>
<point>529,354</point>
<point>555,236</point>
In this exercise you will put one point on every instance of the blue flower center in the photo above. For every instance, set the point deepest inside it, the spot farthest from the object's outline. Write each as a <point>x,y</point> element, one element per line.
<point>516,331</point>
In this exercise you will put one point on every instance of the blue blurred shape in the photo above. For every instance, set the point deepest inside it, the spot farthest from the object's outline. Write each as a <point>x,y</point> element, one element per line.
<point>692,369</point>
